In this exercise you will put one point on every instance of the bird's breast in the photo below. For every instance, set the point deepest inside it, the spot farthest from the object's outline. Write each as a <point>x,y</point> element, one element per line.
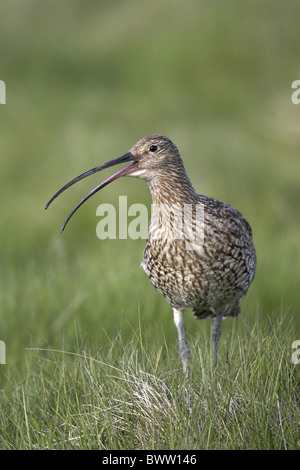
<point>217,266</point>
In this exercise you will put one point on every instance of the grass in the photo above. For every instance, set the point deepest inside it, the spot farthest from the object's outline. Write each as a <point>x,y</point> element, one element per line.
<point>129,397</point>
<point>91,349</point>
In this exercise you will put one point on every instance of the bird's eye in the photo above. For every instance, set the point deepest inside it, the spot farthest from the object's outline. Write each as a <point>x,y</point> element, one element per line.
<point>153,148</point>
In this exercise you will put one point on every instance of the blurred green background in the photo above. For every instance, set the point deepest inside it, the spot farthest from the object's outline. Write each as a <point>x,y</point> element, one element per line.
<point>84,81</point>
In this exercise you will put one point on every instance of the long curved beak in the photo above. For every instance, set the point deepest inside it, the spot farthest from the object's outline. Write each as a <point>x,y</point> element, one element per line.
<point>127,157</point>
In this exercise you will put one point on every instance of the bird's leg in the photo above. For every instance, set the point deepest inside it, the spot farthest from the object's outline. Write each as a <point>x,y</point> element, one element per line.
<point>183,347</point>
<point>184,351</point>
<point>215,336</point>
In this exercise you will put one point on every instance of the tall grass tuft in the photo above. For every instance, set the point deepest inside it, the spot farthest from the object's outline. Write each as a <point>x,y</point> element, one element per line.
<point>131,398</point>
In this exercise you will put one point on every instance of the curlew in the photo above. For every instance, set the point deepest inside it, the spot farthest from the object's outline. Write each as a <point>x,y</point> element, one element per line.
<point>199,252</point>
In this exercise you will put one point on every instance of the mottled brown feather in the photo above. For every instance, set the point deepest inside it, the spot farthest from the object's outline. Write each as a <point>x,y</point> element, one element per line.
<point>216,277</point>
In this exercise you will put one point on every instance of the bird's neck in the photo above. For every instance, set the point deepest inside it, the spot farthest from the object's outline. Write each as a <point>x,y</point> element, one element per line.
<point>172,189</point>
<point>175,212</point>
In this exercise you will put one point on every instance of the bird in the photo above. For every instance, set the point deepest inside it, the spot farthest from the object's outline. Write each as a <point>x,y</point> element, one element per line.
<point>199,252</point>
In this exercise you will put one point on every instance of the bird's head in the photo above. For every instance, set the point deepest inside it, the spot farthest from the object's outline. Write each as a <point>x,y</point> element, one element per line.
<point>151,157</point>
<point>155,155</point>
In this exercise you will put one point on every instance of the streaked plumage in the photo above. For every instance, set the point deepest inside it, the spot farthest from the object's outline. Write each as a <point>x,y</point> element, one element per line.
<point>213,277</point>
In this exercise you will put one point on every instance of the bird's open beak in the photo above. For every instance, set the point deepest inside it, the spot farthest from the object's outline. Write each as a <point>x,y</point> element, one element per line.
<point>127,170</point>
